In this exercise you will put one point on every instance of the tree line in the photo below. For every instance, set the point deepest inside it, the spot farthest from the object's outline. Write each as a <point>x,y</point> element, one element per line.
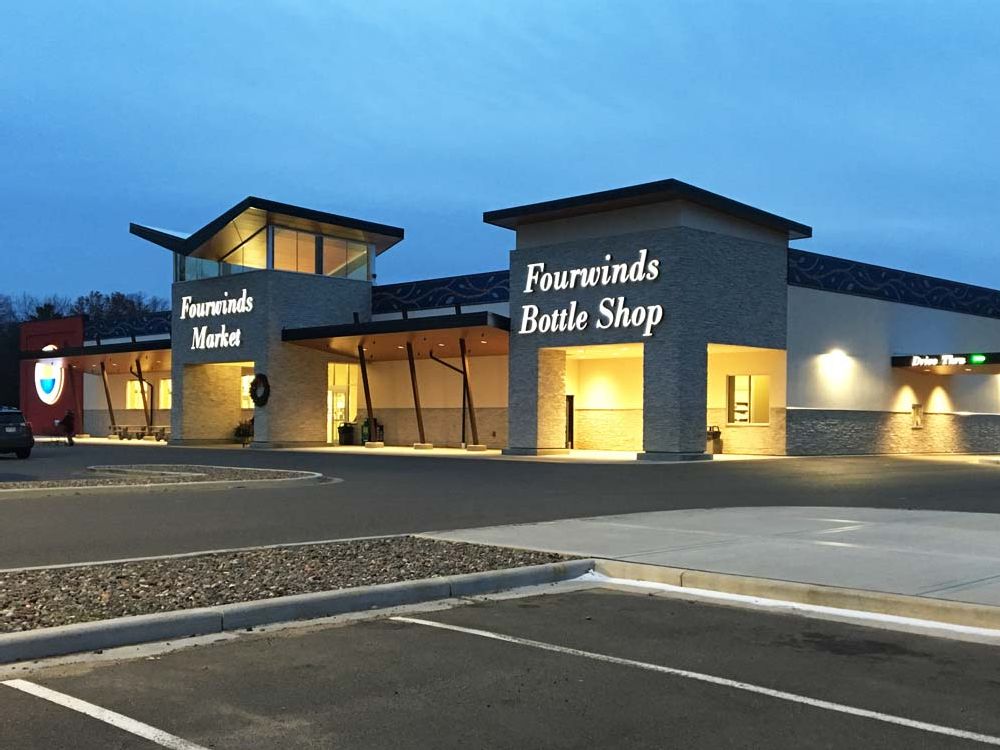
<point>99,308</point>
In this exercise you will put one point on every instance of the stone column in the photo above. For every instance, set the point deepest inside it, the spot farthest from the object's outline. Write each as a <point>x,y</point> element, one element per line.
<point>551,401</point>
<point>536,400</point>
<point>674,393</point>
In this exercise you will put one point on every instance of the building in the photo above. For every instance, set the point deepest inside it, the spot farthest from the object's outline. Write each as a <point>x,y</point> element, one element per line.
<point>660,318</point>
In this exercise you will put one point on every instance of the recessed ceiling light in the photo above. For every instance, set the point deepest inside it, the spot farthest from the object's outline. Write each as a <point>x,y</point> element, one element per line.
<point>440,344</point>
<point>399,346</point>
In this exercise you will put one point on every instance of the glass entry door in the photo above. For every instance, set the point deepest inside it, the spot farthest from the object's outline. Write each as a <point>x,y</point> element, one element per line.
<point>341,399</point>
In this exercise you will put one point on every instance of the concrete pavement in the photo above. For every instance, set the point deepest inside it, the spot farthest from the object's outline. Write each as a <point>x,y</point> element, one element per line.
<point>943,555</point>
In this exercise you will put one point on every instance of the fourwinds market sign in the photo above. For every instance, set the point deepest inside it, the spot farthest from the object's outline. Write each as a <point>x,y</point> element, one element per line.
<point>612,312</point>
<point>222,337</point>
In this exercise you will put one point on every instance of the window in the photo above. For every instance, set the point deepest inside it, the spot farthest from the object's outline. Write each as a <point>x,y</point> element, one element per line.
<point>749,399</point>
<point>165,396</point>
<point>294,251</point>
<point>917,416</point>
<point>357,261</point>
<point>133,395</point>
<point>334,257</point>
<point>245,401</point>
<point>345,258</point>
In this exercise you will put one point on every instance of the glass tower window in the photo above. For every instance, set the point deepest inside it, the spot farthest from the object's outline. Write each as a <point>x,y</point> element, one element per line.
<point>291,250</point>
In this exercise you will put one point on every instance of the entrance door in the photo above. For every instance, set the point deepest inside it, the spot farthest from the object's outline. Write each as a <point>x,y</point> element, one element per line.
<point>336,411</point>
<point>569,421</point>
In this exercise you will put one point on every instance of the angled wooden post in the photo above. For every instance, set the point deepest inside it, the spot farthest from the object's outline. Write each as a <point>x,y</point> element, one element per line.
<point>368,393</point>
<point>107,395</point>
<point>416,393</point>
<point>468,391</point>
<point>146,412</point>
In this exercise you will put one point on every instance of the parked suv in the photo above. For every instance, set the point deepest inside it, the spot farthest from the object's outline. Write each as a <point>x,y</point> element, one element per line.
<point>15,433</point>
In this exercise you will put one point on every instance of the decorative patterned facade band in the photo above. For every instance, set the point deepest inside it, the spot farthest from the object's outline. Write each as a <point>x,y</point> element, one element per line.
<point>474,289</point>
<point>877,282</point>
<point>152,324</point>
<point>805,269</point>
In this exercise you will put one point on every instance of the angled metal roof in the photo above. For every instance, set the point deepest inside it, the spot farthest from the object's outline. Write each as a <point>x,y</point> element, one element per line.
<point>252,214</point>
<point>640,195</point>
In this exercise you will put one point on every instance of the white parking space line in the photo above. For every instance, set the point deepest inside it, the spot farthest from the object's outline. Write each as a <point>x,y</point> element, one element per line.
<point>713,680</point>
<point>161,738</point>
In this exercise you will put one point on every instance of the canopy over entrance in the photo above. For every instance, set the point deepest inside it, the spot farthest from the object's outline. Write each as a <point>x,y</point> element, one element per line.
<point>484,333</point>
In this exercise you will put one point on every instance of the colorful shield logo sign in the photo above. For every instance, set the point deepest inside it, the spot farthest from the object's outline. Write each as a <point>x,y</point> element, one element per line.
<point>48,379</point>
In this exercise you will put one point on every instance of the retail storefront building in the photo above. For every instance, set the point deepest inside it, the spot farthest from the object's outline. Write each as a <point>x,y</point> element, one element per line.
<point>660,319</point>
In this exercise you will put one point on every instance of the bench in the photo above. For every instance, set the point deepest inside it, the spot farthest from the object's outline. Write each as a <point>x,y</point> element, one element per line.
<point>140,432</point>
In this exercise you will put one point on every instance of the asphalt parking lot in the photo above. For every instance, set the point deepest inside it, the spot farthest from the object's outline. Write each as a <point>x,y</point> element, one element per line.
<point>586,668</point>
<point>391,494</point>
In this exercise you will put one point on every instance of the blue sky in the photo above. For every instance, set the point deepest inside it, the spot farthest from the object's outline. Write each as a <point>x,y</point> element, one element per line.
<point>876,123</point>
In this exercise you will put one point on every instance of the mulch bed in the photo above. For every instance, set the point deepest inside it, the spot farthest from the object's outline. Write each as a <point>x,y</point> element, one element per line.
<point>59,596</point>
<point>132,474</point>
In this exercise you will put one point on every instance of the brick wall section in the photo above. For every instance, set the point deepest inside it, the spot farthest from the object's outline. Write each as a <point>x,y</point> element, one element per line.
<point>296,412</point>
<point>442,427</point>
<point>607,429</point>
<point>713,288</point>
<point>829,431</point>
<point>215,391</point>
<point>754,440</point>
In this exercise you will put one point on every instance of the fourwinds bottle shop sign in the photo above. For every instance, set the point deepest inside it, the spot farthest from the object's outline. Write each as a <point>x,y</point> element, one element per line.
<point>611,312</point>
<point>221,337</point>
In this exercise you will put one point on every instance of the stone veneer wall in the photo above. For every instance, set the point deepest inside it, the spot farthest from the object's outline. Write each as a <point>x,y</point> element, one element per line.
<point>831,431</point>
<point>754,440</point>
<point>214,391</point>
<point>296,410</point>
<point>442,427</point>
<point>607,429</point>
<point>551,394</point>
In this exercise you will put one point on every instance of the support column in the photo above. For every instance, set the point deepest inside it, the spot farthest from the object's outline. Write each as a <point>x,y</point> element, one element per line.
<point>475,445</point>
<point>674,398</point>
<point>423,444</point>
<point>368,400</point>
<point>142,391</point>
<point>107,395</point>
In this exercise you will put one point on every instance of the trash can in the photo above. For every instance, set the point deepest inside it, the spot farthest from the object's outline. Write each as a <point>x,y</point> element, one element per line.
<point>713,439</point>
<point>345,433</point>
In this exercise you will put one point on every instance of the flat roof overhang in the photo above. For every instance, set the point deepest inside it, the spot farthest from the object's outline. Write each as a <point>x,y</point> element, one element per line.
<point>485,334</point>
<point>246,219</point>
<point>641,195</point>
<point>960,363</point>
<point>153,356</point>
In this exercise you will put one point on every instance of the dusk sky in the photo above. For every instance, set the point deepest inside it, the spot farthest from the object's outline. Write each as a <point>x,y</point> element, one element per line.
<point>878,124</point>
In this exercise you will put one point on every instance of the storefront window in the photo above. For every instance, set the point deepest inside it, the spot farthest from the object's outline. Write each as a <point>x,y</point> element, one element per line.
<point>749,399</point>
<point>133,394</point>
<point>165,395</point>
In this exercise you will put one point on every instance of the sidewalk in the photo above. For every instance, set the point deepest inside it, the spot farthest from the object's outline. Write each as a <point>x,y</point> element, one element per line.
<point>934,554</point>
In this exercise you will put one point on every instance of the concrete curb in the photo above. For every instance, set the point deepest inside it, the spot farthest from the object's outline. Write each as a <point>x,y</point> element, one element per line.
<point>899,605</point>
<point>302,478</point>
<point>128,631</point>
<point>102,634</point>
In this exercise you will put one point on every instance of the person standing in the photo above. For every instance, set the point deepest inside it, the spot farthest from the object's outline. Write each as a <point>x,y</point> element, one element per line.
<point>69,426</point>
